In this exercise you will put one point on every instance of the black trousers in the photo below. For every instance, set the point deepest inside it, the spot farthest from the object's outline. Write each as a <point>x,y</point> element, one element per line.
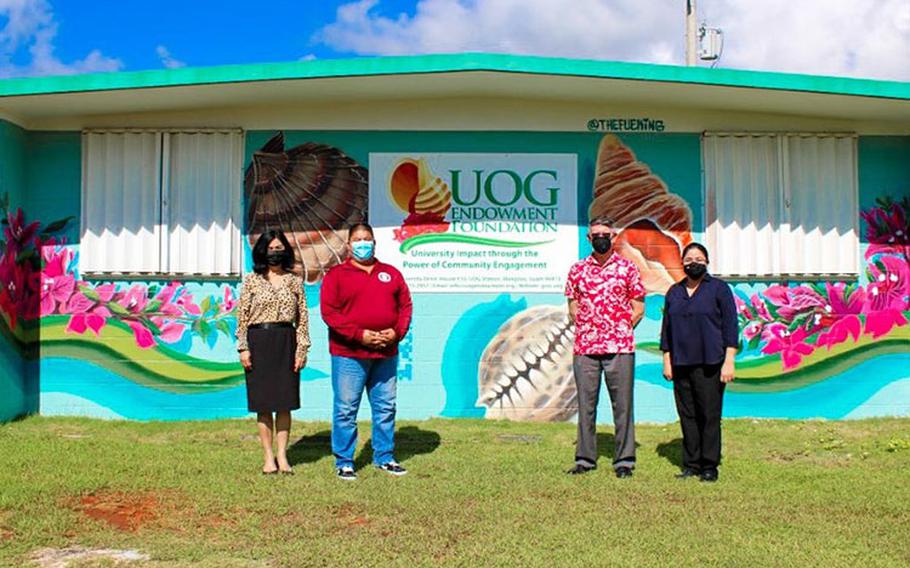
<point>699,397</point>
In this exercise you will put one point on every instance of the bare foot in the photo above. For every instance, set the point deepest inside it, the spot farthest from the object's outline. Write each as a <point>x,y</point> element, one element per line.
<point>283,465</point>
<point>270,466</point>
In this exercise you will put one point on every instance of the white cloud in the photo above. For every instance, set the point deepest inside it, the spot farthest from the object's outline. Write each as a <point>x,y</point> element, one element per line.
<point>167,59</point>
<point>308,57</point>
<point>30,26</point>
<point>868,38</point>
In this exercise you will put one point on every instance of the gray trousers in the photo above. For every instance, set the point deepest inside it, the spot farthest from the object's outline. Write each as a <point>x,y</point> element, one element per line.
<point>619,372</point>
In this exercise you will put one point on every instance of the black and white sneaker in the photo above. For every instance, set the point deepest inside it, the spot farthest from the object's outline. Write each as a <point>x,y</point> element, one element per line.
<point>346,473</point>
<point>392,468</point>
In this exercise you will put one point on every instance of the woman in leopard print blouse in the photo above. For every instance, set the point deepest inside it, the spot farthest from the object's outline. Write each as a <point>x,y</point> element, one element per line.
<point>273,339</point>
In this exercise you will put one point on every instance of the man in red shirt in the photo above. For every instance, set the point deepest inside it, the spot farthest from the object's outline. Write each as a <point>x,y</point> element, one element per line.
<point>367,306</point>
<point>606,302</point>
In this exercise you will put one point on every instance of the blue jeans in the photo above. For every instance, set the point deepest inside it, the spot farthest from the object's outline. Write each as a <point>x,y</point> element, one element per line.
<point>349,377</point>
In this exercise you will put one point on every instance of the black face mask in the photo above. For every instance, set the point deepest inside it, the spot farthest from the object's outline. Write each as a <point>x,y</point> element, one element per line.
<point>601,245</point>
<point>274,258</point>
<point>695,270</point>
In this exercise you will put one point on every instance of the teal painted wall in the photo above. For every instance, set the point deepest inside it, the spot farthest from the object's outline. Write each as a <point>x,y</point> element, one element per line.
<point>196,376</point>
<point>884,169</point>
<point>55,192</point>
<point>18,387</point>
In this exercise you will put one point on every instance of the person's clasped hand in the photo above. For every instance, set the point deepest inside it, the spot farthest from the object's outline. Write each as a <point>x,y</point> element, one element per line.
<point>373,339</point>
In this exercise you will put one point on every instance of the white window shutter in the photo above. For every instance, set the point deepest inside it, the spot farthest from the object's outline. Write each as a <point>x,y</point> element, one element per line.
<point>742,204</point>
<point>781,205</point>
<point>201,202</point>
<point>120,202</point>
<point>820,199</point>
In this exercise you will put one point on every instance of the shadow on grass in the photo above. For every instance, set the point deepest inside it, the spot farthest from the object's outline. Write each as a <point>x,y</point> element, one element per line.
<point>606,446</point>
<point>310,448</point>
<point>671,451</point>
<point>409,442</point>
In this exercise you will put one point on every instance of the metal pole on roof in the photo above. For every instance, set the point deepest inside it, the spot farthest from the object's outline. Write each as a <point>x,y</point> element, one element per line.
<point>691,43</point>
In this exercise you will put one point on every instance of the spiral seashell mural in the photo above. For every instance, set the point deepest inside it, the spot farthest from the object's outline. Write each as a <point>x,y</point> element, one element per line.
<point>415,189</point>
<point>655,223</point>
<point>312,192</point>
<point>525,373</point>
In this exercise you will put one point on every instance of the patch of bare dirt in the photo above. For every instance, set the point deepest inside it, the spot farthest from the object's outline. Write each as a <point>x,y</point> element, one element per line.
<point>121,510</point>
<point>349,515</point>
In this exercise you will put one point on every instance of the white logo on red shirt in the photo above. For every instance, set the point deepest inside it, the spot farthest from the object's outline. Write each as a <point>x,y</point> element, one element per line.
<point>385,277</point>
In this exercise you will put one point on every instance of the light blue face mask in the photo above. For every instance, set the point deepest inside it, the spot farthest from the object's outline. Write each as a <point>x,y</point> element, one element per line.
<point>363,250</point>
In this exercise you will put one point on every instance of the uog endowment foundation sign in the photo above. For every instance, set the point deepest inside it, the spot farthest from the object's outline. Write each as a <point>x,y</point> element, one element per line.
<point>476,222</point>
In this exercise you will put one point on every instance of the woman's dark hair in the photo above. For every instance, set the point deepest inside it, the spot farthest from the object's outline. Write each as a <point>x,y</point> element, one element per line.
<point>261,252</point>
<point>360,226</point>
<point>698,246</point>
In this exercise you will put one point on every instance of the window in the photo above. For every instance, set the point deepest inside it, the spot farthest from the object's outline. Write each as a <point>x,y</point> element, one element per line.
<point>158,202</point>
<point>781,205</point>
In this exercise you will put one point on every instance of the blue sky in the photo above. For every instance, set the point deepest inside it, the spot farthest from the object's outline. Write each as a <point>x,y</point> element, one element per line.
<point>199,33</point>
<point>870,38</point>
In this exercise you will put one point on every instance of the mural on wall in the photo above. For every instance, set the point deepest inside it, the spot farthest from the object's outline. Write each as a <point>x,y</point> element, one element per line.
<point>656,224</point>
<point>133,328</point>
<point>799,333</point>
<point>792,335</point>
<point>165,350</point>
<point>19,266</point>
<point>312,192</point>
<point>420,193</point>
<point>43,281</point>
<point>476,222</point>
<point>525,373</point>
<point>173,342</point>
<point>124,343</point>
<point>21,247</point>
<point>129,347</point>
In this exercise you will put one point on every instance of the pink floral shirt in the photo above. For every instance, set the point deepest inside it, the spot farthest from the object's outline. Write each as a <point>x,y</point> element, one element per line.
<point>603,322</point>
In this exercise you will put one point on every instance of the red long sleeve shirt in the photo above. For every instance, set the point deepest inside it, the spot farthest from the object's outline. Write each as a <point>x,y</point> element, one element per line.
<point>352,300</point>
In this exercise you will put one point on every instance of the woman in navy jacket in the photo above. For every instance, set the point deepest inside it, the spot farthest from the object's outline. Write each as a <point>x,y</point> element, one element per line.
<point>699,338</point>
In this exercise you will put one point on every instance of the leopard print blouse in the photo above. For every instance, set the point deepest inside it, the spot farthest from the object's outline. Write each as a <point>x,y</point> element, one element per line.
<point>264,302</point>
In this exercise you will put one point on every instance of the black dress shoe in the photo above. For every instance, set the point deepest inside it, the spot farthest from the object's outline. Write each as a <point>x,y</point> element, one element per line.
<point>623,471</point>
<point>688,472</point>
<point>580,469</point>
<point>709,475</point>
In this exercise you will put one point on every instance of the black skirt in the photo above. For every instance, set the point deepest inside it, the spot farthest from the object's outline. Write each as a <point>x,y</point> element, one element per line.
<point>272,385</point>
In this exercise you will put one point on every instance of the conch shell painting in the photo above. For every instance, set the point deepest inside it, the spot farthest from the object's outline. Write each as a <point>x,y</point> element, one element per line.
<point>655,224</point>
<point>425,197</point>
<point>525,373</point>
<point>312,192</point>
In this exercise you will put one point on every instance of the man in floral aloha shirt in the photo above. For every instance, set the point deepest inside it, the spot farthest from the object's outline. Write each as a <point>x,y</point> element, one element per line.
<point>606,302</point>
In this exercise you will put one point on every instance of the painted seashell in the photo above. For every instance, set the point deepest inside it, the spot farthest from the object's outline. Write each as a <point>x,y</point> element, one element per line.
<point>525,373</point>
<point>312,192</point>
<point>655,274</point>
<point>655,223</point>
<point>415,189</point>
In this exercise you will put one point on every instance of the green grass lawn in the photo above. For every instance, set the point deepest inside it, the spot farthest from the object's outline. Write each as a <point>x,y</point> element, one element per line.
<point>478,493</point>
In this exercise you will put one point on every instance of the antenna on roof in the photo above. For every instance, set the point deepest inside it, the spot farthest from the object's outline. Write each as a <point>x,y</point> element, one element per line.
<point>702,42</point>
<point>710,44</point>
